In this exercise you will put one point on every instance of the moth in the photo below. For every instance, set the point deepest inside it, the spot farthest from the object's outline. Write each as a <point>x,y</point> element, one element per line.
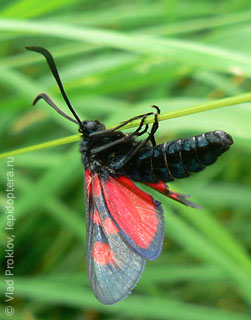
<point>125,225</point>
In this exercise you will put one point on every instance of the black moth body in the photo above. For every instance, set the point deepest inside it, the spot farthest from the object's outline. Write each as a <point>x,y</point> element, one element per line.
<point>164,162</point>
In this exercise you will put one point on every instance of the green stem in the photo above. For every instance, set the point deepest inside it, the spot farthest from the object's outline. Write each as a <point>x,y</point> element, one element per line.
<point>227,102</point>
<point>169,115</point>
<point>45,145</point>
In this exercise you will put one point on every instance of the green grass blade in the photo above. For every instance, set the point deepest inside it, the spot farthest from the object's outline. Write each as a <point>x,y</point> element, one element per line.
<point>191,53</point>
<point>169,115</point>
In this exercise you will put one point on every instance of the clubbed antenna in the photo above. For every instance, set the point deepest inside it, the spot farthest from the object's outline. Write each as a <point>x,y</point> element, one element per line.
<point>53,68</point>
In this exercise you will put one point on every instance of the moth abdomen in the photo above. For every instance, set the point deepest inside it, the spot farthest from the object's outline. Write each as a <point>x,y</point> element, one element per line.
<point>179,158</point>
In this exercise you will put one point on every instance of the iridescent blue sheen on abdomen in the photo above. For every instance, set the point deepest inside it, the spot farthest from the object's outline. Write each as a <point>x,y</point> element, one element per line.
<point>178,158</point>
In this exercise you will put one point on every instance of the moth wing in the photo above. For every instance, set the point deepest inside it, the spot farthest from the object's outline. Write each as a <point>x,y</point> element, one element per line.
<point>182,198</point>
<point>114,267</point>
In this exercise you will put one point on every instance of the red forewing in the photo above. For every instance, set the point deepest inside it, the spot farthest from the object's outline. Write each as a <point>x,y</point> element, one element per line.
<point>137,215</point>
<point>114,267</point>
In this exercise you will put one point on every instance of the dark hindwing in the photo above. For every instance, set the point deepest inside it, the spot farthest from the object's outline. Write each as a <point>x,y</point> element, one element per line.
<point>182,198</point>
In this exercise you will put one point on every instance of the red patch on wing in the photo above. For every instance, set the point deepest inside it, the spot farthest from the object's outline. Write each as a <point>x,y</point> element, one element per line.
<point>159,186</point>
<point>109,226</point>
<point>96,217</point>
<point>102,253</point>
<point>88,182</point>
<point>133,210</point>
<point>96,186</point>
<point>174,196</point>
<point>182,198</point>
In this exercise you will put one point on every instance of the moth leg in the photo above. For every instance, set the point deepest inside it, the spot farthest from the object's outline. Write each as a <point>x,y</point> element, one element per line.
<point>128,157</point>
<point>154,128</point>
<point>125,138</point>
<point>141,116</point>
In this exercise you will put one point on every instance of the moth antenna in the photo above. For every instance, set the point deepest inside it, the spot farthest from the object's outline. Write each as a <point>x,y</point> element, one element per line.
<point>51,62</point>
<point>46,98</point>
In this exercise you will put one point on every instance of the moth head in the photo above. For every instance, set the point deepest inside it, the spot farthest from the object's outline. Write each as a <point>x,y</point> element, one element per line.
<point>89,126</point>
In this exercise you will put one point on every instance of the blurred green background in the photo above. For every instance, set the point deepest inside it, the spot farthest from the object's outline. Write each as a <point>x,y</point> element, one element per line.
<point>116,59</point>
